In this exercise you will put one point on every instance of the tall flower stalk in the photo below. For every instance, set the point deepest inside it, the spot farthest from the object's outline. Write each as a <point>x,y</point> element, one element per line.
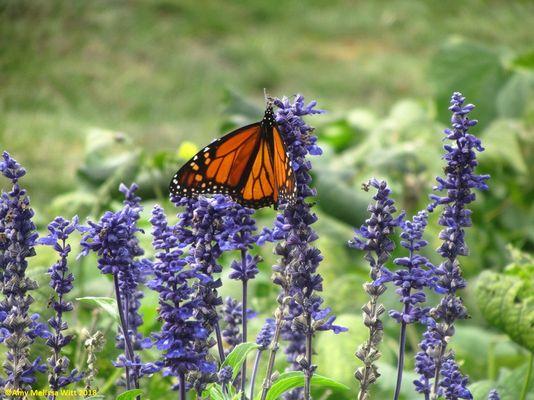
<point>202,229</point>
<point>114,240</point>
<point>415,274</point>
<point>61,280</point>
<point>296,273</point>
<point>177,306</point>
<point>240,228</point>
<point>374,238</point>
<point>263,340</point>
<point>18,328</point>
<point>439,374</point>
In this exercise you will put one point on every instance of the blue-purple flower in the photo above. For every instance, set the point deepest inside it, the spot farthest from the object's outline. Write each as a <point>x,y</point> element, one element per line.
<point>177,306</point>
<point>17,239</point>
<point>114,240</point>
<point>59,231</point>
<point>202,232</point>
<point>453,385</point>
<point>265,335</point>
<point>297,272</point>
<point>434,361</point>
<point>416,273</point>
<point>493,395</point>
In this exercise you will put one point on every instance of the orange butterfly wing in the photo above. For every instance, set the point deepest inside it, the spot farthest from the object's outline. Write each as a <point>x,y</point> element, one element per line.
<point>220,166</point>
<point>271,178</point>
<point>285,177</point>
<point>250,164</point>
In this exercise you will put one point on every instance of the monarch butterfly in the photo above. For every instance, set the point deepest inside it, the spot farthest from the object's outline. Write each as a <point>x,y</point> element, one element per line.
<point>250,164</point>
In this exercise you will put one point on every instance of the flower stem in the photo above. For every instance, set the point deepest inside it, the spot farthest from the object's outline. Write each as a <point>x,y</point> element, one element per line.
<point>244,330</point>
<point>524,391</point>
<point>181,380</point>
<point>434,392</point>
<point>267,382</point>
<point>219,341</point>
<point>127,345</point>
<point>400,363</point>
<point>254,372</point>
<point>309,370</point>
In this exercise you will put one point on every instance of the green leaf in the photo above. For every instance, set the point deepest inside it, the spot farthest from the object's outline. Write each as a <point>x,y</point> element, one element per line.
<point>501,140</point>
<point>107,152</point>
<point>473,69</point>
<point>295,379</point>
<point>481,389</point>
<point>237,356</point>
<point>108,304</point>
<point>340,201</point>
<point>94,397</point>
<point>516,98</point>
<point>507,304</point>
<point>510,383</point>
<point>215,392</point>
<point>130,394</point>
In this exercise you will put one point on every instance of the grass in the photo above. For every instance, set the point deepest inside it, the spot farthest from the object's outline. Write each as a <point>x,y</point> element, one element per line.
<point>159,69</point>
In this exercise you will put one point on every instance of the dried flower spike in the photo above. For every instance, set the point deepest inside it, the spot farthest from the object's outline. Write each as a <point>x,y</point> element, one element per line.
<point>374,238</point>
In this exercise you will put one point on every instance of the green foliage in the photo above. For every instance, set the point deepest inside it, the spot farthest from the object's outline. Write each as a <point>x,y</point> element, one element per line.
<point>506,300</point>
<point>129,394</point>
<point>237,357</point>
<point>108,304</point>
<point>474,69</point>
<point>295,379</point>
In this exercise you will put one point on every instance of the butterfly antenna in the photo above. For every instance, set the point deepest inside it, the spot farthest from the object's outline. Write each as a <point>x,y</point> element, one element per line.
<point>268,99</point>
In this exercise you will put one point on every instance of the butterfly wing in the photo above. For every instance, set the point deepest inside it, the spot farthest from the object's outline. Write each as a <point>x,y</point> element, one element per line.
<point>221,166</point>
<point>285,177</point>
<point>250,164</point>
<point>271,179</point>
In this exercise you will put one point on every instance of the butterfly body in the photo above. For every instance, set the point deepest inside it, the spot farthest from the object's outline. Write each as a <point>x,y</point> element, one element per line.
<point>250,164</point>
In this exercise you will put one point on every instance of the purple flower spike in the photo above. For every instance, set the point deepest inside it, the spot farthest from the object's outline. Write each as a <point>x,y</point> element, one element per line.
<point>181,331</point>
<point>114,239</point>
<point>17,239</point>
<point>438,373</point>
<point>493,395</point>
<point>297,273</point>
<point>232,315</point>
<point>61,280</point>
<point>206,227</point>
<point>265,335</point>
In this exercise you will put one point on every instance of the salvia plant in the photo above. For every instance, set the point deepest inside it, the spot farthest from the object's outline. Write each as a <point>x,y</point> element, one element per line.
<point>202,341</point>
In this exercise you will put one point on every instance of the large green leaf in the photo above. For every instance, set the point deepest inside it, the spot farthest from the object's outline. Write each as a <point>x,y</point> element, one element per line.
<point>108,304</point>
<point>295,379</point>
<point>511,384</point>
<point>238,356</point>
<point>473,69</point>
<point>507,302</point>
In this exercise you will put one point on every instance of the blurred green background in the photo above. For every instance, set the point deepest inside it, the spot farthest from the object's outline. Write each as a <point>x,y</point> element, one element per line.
<point>93,93</point>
